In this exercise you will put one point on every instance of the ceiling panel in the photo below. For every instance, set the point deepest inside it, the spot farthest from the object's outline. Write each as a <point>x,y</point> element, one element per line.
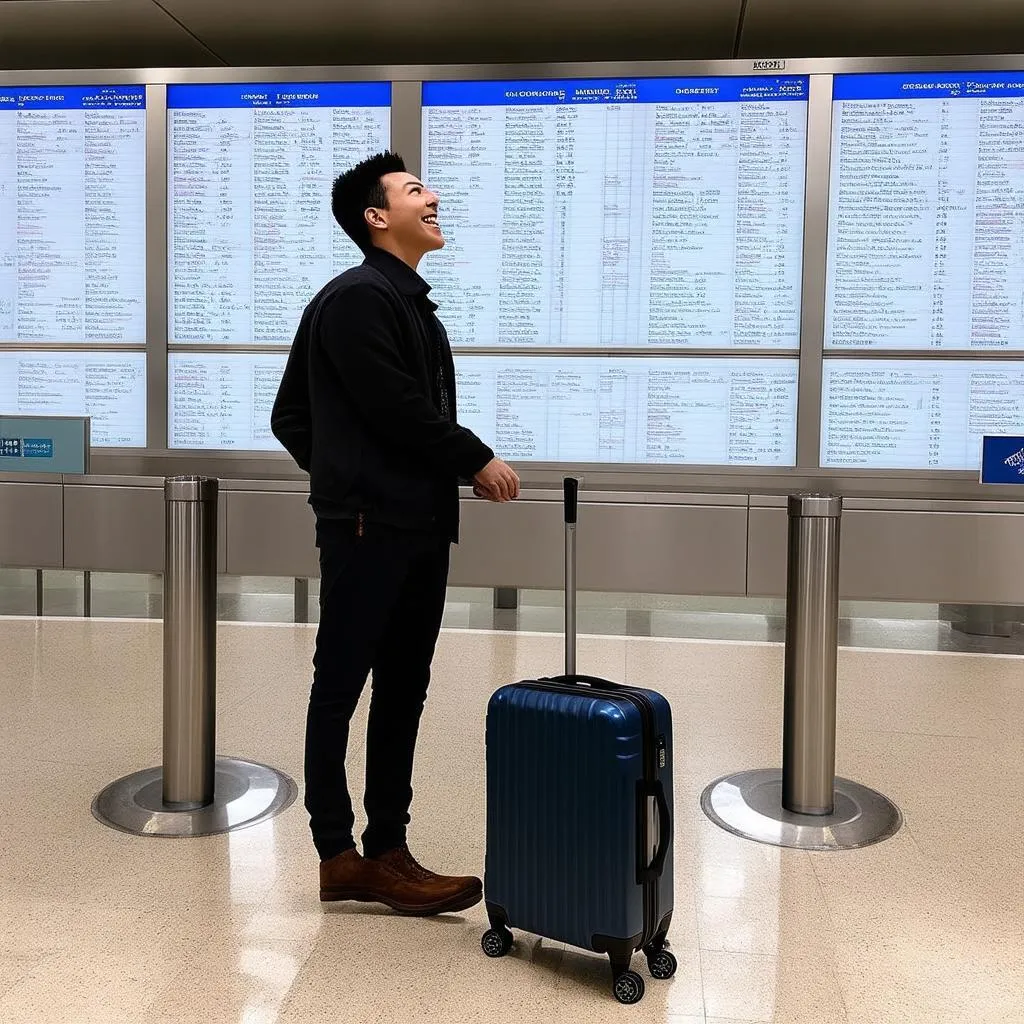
<point>272,32</point>
<point>94,34</point>
<point>878,28</point>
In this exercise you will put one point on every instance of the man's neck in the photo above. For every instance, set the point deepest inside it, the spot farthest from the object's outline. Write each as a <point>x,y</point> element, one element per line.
<point>409,259</point>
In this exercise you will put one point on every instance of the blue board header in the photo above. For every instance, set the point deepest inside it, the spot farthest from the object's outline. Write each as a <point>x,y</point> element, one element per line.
<point>1002,460</point>
<point>74,97</point>
<point>280,94</point>
<point>968,85</point>
<point>614,90</point>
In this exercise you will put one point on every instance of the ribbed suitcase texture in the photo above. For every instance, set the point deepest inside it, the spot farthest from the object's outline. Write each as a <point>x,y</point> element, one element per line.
<point>563,769</point>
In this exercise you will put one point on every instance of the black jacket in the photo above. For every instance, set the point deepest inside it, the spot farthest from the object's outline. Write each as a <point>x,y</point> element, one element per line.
<point>358,406</point>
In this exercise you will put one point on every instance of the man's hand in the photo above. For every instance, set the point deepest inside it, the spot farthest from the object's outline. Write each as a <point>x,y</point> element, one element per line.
<point>497,481</point>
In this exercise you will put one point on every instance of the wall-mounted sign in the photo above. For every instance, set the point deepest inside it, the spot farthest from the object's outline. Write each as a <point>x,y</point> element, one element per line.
<point>44,444</point>
<point>1002,459</point>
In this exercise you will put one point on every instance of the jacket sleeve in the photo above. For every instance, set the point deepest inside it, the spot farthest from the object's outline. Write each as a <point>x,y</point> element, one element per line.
<point>360,333</point>
<point>290,419</point>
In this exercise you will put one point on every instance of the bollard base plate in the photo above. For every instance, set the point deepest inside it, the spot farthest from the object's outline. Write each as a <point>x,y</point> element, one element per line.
<point>749,804</point>
<point>245,793</point>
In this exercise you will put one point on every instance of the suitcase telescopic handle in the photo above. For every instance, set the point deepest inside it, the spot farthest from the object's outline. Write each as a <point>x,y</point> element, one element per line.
<point>571,497</point>
<point>570,504</point>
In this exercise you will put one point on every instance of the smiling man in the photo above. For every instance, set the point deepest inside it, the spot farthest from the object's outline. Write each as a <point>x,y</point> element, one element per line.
<point>367,407</point>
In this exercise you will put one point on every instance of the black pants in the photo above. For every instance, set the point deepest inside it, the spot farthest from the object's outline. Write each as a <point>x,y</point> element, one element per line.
<point>381,601</point>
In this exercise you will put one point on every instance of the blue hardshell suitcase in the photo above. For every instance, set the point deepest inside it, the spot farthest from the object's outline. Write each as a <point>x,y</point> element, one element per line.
<point>579,812</point>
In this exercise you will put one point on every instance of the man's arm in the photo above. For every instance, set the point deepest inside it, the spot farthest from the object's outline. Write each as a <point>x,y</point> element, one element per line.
<point>290,419</point>
<point>359,332</point>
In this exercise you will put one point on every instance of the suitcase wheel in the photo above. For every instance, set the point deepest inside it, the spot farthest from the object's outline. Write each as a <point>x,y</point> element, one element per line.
<point>629,988</point>
<point>496,942</point>
<point>662,964</point>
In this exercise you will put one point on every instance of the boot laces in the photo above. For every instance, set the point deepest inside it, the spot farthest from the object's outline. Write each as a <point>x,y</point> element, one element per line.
<point>410,862</point>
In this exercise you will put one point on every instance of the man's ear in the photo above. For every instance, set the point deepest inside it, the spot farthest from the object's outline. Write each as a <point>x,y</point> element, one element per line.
<point>375,218</point>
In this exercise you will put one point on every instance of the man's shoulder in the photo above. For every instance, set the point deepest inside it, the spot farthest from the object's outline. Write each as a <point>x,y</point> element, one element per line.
<point>362,278</point>
<point>361,294</point>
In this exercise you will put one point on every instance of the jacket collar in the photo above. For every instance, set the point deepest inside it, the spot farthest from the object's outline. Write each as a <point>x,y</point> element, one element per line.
<point>400,274</point>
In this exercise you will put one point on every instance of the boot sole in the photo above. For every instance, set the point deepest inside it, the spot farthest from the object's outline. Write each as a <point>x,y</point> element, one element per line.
<point>462,901</point>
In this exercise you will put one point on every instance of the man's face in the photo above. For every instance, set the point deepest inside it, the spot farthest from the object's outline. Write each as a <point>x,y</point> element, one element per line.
<point>411,216</point>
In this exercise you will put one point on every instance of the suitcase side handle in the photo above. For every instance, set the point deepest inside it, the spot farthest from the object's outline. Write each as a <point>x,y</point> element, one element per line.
<point>653,871</point>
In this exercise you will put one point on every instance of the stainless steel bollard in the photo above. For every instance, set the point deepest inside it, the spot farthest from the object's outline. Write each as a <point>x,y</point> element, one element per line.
<point>194,792</point>
<point>190,643</point>
<point>806,806</point>
<point>812,626</point>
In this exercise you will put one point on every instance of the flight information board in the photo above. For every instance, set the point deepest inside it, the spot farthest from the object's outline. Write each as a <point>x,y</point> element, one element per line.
<point>917,413</point>
<point>926,212</point>
<point>223,400</point>
<point>707,411</point>
<point>251,236</point>
<point>592,213</point>
<point>73,214</point>
<point>592,409</point>
<point>109,387</point>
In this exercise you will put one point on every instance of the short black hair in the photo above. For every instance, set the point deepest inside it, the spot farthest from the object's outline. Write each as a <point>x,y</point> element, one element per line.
<point>358,189</point>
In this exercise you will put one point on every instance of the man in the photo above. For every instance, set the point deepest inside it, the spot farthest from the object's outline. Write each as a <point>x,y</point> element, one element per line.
<point>367,406</point>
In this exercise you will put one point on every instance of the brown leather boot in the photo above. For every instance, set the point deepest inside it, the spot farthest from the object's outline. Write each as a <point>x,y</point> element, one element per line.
<point>396,880</point>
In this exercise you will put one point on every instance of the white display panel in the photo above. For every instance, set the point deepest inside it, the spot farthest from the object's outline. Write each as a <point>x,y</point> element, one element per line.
<point>707,411</point>
<point>916,414</point>
<point>251,236</point>
<point>926,212</point>
<point>222,401</point>
<point>592,213</point>
<point>109,387</point>
<point>73,214</point>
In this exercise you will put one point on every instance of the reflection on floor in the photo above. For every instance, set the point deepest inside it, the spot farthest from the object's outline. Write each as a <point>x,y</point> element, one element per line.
<point>103,928</point>
<point>896,626</point>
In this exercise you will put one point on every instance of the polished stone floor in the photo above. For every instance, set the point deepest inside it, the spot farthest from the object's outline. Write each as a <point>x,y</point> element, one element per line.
<point>99,926</point>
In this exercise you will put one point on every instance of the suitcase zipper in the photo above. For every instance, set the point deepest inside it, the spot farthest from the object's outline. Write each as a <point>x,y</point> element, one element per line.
<point>651,755</point>
<point>650,774</point>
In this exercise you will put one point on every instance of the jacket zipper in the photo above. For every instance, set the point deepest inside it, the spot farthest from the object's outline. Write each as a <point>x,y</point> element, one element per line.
<point>360,524</point>
<point>650,759</point>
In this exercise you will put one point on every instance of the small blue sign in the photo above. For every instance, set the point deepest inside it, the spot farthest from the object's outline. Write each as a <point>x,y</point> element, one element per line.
<point>10,447</point>
<point>37,447</point>
<point>1002,460</point>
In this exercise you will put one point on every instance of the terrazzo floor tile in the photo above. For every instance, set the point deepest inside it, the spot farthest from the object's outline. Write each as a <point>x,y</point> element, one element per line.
<point>103,927</point>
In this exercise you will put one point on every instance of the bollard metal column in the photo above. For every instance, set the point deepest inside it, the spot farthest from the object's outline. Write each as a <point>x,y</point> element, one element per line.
<point>190,648</point>
<point>194,792</point>
<point>805,806</point>
<point>812,645</point>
